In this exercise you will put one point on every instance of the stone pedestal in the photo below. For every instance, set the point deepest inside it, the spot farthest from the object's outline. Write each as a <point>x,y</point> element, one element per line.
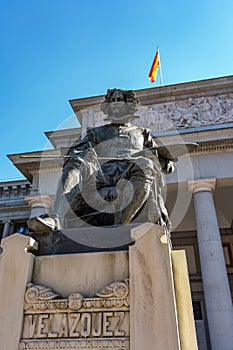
<point>153,318</point>
<point>16,267</point>
<point>123,300</point>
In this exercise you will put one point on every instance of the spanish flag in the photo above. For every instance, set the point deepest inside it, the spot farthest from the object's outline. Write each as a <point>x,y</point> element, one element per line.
<point>154,67</point>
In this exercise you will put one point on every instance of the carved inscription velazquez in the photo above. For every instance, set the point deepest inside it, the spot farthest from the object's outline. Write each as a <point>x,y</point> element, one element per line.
<point>47,317</point>
<point>75,325</point>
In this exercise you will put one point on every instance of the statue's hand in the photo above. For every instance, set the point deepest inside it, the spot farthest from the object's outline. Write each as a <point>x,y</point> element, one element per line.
<point>167,165</point>
<point>108,193</point>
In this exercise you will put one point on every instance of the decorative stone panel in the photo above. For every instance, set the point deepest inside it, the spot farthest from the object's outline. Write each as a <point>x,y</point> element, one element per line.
<point>101,322</point>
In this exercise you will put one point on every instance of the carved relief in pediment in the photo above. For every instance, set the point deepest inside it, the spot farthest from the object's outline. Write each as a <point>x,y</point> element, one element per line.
<point>192,112</point>
<point>188,113</point>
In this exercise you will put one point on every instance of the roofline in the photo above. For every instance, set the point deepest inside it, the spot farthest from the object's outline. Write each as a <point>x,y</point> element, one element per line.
<point>167,93</point>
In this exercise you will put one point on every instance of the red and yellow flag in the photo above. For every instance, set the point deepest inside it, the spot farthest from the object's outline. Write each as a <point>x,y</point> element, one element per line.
<point>154,67</point>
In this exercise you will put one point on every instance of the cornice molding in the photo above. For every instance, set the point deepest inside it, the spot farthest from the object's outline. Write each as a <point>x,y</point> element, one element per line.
<point>14,191</point>
<point>219,148</point>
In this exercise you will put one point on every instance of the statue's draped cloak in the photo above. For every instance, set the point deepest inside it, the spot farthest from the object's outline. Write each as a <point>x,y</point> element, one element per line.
<point>105,155</point>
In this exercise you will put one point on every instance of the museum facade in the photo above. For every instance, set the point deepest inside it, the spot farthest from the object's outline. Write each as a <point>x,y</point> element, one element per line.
<point>198,194</point>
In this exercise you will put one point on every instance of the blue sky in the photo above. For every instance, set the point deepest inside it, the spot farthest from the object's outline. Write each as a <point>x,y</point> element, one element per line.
<point>56,50</point>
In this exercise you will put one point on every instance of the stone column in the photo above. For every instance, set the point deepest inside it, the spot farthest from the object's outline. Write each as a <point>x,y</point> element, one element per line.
<point>213,268</point>
<point>6,230</point>
<point>40,204</point>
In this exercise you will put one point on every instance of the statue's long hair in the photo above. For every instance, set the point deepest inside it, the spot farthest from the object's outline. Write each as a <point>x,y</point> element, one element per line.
<point>129,98</point>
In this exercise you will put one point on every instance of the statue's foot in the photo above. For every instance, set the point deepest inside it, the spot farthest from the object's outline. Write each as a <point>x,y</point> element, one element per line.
<point>43,224</point>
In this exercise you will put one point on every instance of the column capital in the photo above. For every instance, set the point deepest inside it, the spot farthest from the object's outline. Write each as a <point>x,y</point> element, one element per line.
<point>45,200</point>
<point>6,221</point>
<point>201,185</point>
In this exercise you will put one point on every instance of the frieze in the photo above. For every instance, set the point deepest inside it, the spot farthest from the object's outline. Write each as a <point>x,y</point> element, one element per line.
<point>192,112</point>
<point>188,113</point>
<point>51,322</point>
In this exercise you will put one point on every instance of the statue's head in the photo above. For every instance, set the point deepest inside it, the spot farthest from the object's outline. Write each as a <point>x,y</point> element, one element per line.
<point>120,105</point>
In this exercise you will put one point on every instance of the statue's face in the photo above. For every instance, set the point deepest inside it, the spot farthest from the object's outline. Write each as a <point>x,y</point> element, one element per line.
<point>118,107</point>
<point>117,104</point>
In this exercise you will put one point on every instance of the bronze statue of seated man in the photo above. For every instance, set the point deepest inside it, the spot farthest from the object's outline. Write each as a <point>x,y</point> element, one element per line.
<point>112,174</point>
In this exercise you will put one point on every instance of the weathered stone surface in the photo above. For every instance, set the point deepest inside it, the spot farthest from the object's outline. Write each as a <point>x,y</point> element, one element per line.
<point>153,319</point>
<point>15,272</point>
<point>86,273</point>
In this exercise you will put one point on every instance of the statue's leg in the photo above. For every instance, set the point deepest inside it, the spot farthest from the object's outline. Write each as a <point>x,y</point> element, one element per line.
<point>140,175</point>
<point>71,194</point>
<point>68,189</point>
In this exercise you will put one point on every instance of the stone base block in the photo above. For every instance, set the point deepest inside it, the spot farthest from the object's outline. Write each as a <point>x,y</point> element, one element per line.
<point>123,300</point>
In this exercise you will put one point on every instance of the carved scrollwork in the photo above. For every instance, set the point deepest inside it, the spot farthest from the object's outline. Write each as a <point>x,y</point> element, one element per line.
<point>36,293</point>
<point>77,322</point>
<point>115,290</point>
<point>40,298</point>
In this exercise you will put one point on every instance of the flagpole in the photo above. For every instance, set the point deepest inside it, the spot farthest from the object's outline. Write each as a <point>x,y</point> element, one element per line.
<point>160,69</point>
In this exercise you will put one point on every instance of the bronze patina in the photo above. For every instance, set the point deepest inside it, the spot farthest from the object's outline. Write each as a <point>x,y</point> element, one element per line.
<point>113,176</point>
